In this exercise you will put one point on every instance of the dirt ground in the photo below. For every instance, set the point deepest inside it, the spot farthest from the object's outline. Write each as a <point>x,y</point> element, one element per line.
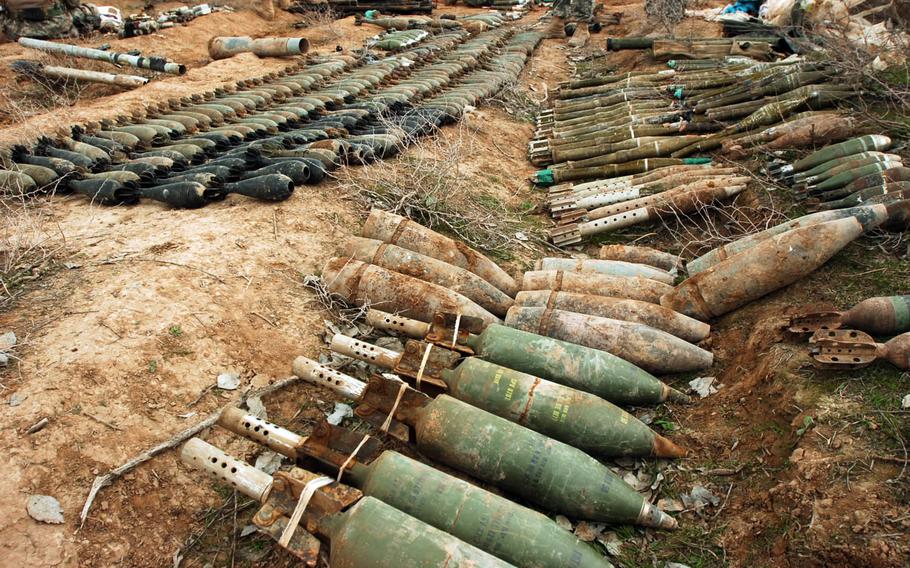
<point>123,332</point>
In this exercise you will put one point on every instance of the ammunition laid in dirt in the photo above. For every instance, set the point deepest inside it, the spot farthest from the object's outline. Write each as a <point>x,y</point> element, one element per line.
<point>768,266</point>
<point>364,284</point>
<point>651,349</point>
<point>608,267</point>
<point>845,348</point>
<point>223,47</point>
<point>427,268</point>
<point>883,316</point>
<point>394,229</point>
<point>585,421</point>
<point>540,469</point>
<point>642,255</point>
<point>583,368</point>
<point>636,311</point>
<point>336,512</point>
<point>633,288</point>
<point>522,536</point>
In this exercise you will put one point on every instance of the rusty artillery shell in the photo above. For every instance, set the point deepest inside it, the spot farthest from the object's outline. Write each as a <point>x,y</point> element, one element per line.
<point>608,267</point>
<point>642,255</point>
<point>634,288</point>
<point>636,311</point>
<point>367,284</point>
<point>653,350</point>
<point>547,472</point>
<point>870,216</point>
<point>848,348</point>
<point>429,269</point>
<point>488,521</point>
<point>880,316</point>
<point>768,266</point>
<point>397,230</point>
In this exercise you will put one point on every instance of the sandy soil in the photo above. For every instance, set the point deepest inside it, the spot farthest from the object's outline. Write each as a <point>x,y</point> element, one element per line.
<point>121,340</point>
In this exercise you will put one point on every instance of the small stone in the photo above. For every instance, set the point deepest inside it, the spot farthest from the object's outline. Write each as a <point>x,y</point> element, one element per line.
<point>4,359</point>
<point>341,412</point>
<point>905,402</point>
<point>7,341</point>
<point>16,399</point>
<point>45,508</point>
<point>228,381</point>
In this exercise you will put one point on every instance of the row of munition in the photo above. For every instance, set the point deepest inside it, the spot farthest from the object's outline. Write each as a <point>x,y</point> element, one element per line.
<point>287,129</point>
<point>855,172</point>
<point>610,305</point>
<point>628,131</point>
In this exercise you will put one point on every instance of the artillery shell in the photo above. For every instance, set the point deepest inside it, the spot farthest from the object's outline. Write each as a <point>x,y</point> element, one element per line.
<point>397,230</point>
<point>609,267</point>
<point>652,315</point>
<point>651,349</point>
<point>372,534</point>
<point>642,255</point>
<point>16,183</point>
<point>869,216</point>
<point>270,187</point>
<point>768,266</point>
<point>577,418</point>
<point>552,474</point>
<point>429,269</point>
<point>583,368</point>
<point>505,529</point>
<point>41,175</point>
<point>367,284</point>
<point>634,288</point>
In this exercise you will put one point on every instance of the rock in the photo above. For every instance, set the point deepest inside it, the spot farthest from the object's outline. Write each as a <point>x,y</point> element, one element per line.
<point>702,386</point>
<point>45,508</point>
<point>699,498</point>
<point>563,522</point>
<point>670,505</point>
<point>256,408</point>
<point>588,531</point>
<point>4,359</point>
<point>7,341</point>
<point>905,402</point>
<point>16,399</point>
<point>228,381</point>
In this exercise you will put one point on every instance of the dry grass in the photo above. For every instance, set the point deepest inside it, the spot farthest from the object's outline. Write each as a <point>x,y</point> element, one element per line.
<point>432,186</point>
<point>29,244</point>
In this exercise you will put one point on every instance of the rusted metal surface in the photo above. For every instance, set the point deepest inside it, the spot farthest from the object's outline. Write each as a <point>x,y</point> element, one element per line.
<point>887,315</point>
<point>651,349</point>
<point>397,230</point>
<point>652,315</point>
<point>634,288</point>
<point>609,267</point>
<point>870,216</point>
<point>642,255</point>
<point>847,348</point>
<point>768,266</point>
<point>429,269</point>
<point>367,284</point>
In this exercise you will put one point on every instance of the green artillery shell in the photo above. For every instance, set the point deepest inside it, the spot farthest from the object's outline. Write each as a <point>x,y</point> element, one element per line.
<point>552,474</point>
<point>634,288</point>
<point>429,269</point>
<point>367,284</point>
<point>492,523</point>
<point>642,255</point>
<point>869,216</point>
<point>653,350</point>
<point>623,309</point>
<point>847,177</point>
<point>270,187</point>
<point>879,316</point>
<point>866,143</point>
<point>768,266</point>
<point>570,364</point>
<point>397,230</point>
<point>610,267</point>
<point>897,351</point>
<point>886,192</point>
<point>41,175</point>
<point>577,418</point>
<point>372,534</point>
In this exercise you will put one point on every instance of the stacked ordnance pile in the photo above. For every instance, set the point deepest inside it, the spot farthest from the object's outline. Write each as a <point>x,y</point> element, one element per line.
<point>757,47</point>
<point>347,7</point>
<point>844,340</point>
<point>631,137</point>
<point>855,172</point>
<point>261,137</point>
<point>516,408</point>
